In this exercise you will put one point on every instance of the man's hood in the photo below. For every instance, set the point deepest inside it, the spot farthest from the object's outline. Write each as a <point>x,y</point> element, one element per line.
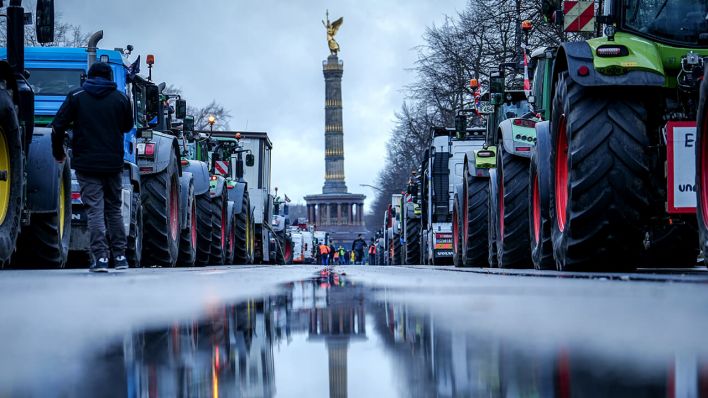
<point>99,87</point>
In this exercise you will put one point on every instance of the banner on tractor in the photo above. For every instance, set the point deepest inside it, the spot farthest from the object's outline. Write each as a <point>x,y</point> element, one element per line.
<point>579,16</point>
<point>681,164</point>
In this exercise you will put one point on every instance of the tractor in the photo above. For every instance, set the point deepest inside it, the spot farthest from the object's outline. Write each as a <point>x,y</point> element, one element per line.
<point>624,151</point>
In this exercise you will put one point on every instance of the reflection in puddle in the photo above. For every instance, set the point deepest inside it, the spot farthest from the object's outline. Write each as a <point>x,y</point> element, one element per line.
<point>330,337</point>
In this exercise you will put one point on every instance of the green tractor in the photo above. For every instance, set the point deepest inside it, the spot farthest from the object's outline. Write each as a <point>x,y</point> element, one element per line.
<point>622,129</point>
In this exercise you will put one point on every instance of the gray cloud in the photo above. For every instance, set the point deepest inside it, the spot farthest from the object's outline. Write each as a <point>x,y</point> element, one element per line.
<point>263,61</point>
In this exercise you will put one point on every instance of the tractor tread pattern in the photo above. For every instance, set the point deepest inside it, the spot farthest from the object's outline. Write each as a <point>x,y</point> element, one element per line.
<point>609,178</point>
<point>514,247</point>
<point>413,241</point>
<point>158,246</point>
<point>204,227</point>
<point>475,253</point>
<point>241,222</point>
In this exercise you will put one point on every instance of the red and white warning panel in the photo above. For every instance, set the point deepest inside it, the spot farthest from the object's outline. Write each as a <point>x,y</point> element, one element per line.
<point>579,16</point>
<point>681,162</point>
<point>221,167</point>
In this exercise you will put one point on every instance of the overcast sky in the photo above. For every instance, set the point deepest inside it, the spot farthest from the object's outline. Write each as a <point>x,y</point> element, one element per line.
<point>263,61</point>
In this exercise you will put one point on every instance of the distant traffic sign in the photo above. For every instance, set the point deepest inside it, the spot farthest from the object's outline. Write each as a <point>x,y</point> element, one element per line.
<point>579,16</point>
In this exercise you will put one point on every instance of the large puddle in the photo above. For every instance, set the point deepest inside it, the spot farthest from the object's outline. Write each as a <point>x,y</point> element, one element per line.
<point>328,336</point>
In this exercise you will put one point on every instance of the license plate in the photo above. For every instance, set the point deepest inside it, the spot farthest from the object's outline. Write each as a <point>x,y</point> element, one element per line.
<point>78,216</point>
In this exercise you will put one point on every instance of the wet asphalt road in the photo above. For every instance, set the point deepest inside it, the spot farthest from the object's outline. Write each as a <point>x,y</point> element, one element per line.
<point>356,331</point>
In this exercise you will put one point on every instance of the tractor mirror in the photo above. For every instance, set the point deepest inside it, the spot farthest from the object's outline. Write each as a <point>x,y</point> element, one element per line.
<point>45,21</point>
<point>152,103</point>
<point>181,109</point>
<point>188,125</point>
<point>461,124</point>
<point>250,160</point>
<point>496,84</point>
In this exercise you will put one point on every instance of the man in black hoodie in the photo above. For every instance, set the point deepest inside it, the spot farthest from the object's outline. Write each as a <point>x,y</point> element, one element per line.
<point>99,116</point>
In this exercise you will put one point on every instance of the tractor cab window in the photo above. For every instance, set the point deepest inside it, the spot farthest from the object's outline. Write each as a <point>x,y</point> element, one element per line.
<point>679,21</point>
<point>139,100</point>
<point>514,109</point>
<point>55,82</point>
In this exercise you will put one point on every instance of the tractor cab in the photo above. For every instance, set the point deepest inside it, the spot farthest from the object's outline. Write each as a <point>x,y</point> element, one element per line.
<point>675,22</point>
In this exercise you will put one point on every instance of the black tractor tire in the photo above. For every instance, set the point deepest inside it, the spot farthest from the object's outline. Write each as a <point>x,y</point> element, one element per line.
<point>702,168</point>
<point>12,157</point>
<point>204,227</point>
<point>539,202</point>
<point>397,249</point>
<point>413,241</point>
<point>600,195</point>
<point>457,234</point>
<point>474,250</point>
<point>492,221</point>
<point>243,233</point>
<point>134,248</point>
<point>218,229</point>
<point>512,228</point>
<point>161,229</point>
<point>45,242</point>
<point>188,236</point>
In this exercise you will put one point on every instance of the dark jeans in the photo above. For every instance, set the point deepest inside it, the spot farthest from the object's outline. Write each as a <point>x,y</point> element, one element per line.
<point>101,193</point>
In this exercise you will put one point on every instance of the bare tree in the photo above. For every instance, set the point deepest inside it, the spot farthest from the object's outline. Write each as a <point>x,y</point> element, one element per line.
<point>65,34</point>
<point>201,116</point>
<point>471,44</point>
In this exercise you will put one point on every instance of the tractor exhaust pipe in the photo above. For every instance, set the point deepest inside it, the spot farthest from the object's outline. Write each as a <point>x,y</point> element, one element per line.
<point>93,47</point>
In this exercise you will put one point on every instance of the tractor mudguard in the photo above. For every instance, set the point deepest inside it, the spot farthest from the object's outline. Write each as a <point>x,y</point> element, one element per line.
<point>543,148</point>
<point>200,173</point>
<point>479,166</point>
<point>185,199</point>
<point>165,146</point>
<point>217,186</point>
<point>572,56</point>
<point>43,173</point>
<point>521,146</point>
<point>133,173</point>
<point>236,195</point>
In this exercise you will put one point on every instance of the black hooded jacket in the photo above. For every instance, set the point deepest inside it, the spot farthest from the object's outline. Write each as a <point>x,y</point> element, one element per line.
<point>99,116</point>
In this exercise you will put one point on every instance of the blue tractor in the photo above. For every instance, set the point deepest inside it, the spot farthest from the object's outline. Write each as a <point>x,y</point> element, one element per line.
<point>158,196</point>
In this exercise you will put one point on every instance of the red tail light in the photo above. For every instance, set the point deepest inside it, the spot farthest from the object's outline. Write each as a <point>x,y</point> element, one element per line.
<point>524,123</point>
<point>75,195</point>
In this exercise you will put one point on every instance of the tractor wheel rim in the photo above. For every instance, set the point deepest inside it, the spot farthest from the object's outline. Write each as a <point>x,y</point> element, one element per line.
<point>174,211</point>
<point>5,182</point>
<point>561,174</point>
<point>193,234</point>
<point>536,210</point>
<point>288,251</point>
<point>704,170</point>
<point>62,207</point>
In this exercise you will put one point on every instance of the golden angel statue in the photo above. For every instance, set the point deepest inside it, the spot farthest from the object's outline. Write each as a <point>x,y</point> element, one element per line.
<point>332,28</point>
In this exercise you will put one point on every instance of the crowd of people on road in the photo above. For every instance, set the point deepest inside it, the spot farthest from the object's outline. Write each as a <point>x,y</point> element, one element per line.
<point>360,253</point>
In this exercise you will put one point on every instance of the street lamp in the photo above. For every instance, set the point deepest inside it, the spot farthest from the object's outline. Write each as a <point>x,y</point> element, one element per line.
<point>211,120</point>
